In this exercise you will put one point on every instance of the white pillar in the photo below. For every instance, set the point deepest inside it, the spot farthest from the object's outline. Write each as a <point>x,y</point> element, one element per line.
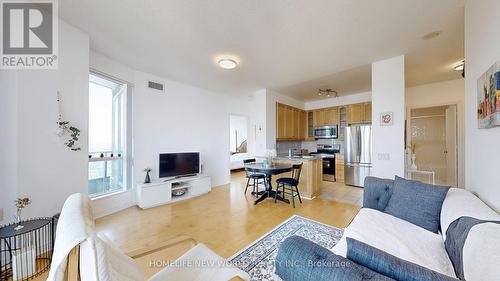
<point>388,95</point>
<point>260,122</point>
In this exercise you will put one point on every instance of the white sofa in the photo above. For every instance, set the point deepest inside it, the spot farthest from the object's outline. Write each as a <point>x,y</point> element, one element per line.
<point>481,252</point>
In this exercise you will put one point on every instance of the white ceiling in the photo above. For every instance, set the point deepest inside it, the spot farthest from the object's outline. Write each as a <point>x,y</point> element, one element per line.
<point>279,43</point>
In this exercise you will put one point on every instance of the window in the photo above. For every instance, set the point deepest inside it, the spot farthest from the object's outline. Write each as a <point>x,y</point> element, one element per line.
<point>108,167</point>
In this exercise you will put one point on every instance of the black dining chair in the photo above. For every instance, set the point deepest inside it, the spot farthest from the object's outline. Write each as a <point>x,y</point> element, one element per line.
<point>290,185</point>
<point>255,177</point>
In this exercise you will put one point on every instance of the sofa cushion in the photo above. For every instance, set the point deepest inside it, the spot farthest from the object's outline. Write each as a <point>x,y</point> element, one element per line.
<point>462,203</point>
<point>417,202</point>
<point>398,238</point>
<point>484,237</point>
<point>377,192</point>
<point>389,265</point>
<point>299,259</point>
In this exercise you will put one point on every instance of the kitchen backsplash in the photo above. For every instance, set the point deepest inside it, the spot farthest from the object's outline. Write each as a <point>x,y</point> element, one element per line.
<point>283,146</point>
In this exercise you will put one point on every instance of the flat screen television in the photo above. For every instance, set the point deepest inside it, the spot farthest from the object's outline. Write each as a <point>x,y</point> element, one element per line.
<point>179,164</point>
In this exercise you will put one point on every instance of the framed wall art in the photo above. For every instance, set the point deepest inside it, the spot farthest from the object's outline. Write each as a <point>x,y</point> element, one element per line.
<point>488,98</point>
<point>386,119</point>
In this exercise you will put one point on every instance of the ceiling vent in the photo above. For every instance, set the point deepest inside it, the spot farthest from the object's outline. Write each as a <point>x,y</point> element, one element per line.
<point>156,86</point>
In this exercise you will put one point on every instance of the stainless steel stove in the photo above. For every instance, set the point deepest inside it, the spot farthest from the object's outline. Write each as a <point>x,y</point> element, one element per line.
<point>327,152</point>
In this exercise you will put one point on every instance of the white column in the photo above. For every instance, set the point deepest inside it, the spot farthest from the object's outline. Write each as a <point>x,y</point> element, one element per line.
<point>260,122</point>
<point>388,95</point>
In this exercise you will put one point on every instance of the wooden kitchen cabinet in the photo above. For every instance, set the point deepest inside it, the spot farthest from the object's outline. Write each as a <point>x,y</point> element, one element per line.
<point>303,125</point>
<point>291,123</point>
<point>318,117</point>
<point>359,113</point>
<point>354,113</point>
<point>339,168</point>
<point>310,125</point>
<point>280,121</point>
<point>326,116</point>
<point>332,116</point>
<point>367,112</point>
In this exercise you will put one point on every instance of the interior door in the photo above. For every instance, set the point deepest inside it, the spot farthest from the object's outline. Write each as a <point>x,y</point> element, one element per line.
<point>451,145</point>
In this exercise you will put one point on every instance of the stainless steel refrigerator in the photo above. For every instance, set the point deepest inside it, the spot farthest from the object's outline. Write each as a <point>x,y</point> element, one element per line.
<point>358,154</point>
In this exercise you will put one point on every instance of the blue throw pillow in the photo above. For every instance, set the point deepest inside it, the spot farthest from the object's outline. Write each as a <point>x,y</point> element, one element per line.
<point>417,202</point>
<point>389,265</point>
<point>299,259</point>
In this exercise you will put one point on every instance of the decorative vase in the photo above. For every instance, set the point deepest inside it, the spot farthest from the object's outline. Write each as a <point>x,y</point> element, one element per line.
<point>413,166</point>
<point>147,179</point>
<point>18,220</point>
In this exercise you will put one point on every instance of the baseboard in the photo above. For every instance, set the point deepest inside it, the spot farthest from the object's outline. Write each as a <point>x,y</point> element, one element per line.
<point>114,203</point>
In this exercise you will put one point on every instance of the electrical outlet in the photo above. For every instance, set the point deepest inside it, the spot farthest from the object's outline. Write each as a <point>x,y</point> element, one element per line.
<point>384,156</point>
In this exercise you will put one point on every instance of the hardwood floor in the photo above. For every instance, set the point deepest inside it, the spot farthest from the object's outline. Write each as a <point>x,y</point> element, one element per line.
<point>225,220</point>
<point>342,193</point>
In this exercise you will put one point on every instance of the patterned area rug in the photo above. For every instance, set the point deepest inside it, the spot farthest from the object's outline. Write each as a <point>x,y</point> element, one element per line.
<point>258,258</point>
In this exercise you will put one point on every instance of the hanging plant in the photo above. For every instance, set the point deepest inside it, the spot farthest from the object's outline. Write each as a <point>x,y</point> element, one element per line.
<point>73,132</point>
<point>65,128</point>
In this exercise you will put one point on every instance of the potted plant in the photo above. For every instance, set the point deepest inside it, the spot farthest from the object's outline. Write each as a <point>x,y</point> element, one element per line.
<point>21,203</point>
<point>147,179</point>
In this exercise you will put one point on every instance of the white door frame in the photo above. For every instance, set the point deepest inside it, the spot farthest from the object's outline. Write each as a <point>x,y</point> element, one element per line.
<point>460,134</point>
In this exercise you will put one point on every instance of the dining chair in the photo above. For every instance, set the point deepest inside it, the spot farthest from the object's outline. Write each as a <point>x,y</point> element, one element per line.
<point>290,185</point>
<point>256,178</point>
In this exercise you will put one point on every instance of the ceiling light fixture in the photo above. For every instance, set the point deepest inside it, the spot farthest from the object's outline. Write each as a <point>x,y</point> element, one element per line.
<point>327,92</point>
<point>460,67</point>
<point>227,63</point>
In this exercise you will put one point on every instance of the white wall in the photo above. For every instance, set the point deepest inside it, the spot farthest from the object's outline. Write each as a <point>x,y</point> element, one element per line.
<point>8,144</point>
<point>183,118</point>
<point>47,171</point>
<point>482,45</point>
<point>342,100</point>
<point>260,121</point>
<point>443,93</point>
<point>388,95</point>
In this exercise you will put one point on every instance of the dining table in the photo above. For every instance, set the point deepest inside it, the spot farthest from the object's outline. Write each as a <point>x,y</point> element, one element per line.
<point>269,170</point>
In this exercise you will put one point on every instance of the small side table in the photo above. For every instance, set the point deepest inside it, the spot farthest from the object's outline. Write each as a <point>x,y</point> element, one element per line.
<point>27,252</point>
<point>430,174</point>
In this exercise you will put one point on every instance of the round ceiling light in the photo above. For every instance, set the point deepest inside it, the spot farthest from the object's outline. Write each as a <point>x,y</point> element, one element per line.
<point>227,63</point>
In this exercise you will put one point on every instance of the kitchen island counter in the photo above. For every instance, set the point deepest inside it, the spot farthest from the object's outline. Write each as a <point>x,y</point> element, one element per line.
<point>311,181</point>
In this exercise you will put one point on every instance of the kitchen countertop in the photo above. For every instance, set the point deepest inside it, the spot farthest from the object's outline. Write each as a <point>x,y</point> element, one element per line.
<point>298,158</point>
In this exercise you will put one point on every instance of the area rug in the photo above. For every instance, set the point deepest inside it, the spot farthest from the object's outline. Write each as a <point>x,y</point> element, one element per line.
<point>258,258</point>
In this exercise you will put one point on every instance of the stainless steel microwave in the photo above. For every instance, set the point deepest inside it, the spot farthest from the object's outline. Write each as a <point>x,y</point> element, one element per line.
<point>326,132</point>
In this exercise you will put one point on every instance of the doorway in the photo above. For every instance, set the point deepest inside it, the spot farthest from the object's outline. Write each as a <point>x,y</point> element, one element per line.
<point>433,141</point>
<point>238,141</point>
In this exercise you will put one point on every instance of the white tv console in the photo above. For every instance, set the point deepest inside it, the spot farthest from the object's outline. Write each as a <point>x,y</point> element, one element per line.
<point>160,192</point>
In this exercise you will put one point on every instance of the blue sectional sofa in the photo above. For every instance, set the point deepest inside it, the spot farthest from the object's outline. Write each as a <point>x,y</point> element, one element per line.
<point>406,230</point>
